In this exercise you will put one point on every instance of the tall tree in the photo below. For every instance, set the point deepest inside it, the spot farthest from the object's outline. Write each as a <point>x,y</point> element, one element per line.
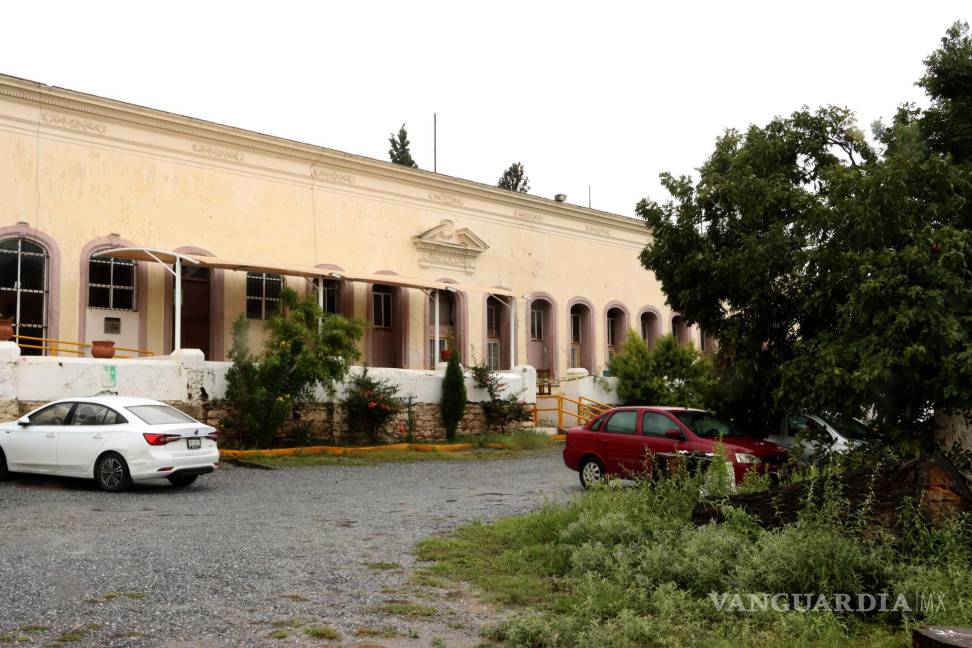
<point>399,152</point>
<point>514,179</point>
<point>947,124</point>
<point>453,403</point>
<point>836,278</point>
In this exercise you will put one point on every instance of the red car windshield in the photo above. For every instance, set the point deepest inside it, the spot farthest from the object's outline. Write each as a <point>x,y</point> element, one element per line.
<point>705,424</point>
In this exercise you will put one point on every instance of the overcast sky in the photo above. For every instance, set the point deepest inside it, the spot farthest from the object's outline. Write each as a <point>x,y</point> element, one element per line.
<point>606,94</point>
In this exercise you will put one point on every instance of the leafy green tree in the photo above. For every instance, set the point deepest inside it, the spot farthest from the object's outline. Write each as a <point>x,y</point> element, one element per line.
<point>514,179</point>
<point>399,152</point>
<point>947,124</point>
<point>298,357</point>
<point>453,404</point>
<point>668,375</point>
<point>835,277</point>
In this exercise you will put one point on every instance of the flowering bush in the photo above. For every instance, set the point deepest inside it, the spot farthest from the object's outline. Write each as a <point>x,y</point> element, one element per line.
<point>370,404</point>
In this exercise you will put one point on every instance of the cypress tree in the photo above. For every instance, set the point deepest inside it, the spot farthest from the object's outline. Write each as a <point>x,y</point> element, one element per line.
<point>453,402</point>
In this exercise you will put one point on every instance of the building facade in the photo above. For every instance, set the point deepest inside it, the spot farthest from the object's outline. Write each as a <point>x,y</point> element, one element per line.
<point>81,174</point>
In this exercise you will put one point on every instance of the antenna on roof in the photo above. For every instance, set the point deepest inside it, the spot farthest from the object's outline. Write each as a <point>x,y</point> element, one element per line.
<point>435,143</point>
<point>588,196</point>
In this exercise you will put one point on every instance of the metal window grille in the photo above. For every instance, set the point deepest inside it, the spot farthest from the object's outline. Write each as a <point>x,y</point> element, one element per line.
<point>111,283</point>
<point>262,295</point>
<point>24,288</point>
<point>493,352</point>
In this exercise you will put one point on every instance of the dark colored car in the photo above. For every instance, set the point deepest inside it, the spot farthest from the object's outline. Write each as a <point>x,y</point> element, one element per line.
<point>631,441</point>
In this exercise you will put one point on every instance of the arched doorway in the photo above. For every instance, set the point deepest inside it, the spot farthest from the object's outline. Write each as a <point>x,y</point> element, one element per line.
<point>649,327</point>
<point>452,330</point>
<point>680,330</point>
<point>498,343</point>
<point>24,291</point>
<point>542,335</point>
<point>580,352</point>
<point>388,320</point>
<point>616,328</point>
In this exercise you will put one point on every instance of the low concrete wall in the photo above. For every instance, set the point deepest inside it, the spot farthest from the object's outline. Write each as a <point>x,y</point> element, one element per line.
<point>187,380</point>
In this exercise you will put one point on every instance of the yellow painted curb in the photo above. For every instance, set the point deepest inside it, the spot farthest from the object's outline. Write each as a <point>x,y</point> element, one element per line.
<point>342,450</point>
<point>558,437</point>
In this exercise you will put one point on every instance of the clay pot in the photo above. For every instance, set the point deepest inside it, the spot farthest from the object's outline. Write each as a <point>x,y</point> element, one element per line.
<point>6,329</point>
<point>103,349</point>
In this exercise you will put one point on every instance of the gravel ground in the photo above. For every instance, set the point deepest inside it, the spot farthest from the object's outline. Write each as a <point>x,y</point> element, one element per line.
<point>219,563</point>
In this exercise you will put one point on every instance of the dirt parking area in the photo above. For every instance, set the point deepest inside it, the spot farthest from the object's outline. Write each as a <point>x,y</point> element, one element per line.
<point>303,556</point>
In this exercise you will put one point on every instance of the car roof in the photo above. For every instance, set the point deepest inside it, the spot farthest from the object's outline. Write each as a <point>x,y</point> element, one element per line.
<point>660,408</point>
<point>110,401</point>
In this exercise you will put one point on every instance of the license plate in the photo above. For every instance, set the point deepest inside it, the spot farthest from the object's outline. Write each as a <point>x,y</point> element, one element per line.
<point>194,444</point>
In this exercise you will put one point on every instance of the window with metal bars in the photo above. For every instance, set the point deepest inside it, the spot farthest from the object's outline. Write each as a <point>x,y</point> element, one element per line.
<point>262,295</point>
<point>23,290</point>
<point>111,283</point>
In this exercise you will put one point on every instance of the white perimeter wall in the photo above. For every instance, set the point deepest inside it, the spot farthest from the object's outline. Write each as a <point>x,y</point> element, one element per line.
<point>186,376</point>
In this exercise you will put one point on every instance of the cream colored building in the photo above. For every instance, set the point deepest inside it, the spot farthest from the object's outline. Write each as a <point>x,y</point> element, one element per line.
<point>80,174</point>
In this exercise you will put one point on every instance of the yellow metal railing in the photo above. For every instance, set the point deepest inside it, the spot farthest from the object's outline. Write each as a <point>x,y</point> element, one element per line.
<point>55,346</point>
<point>585,409</point>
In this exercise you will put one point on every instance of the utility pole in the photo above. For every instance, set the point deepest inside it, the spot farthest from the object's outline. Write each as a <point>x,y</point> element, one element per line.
<point>588,196</point>
<point>435,143</point>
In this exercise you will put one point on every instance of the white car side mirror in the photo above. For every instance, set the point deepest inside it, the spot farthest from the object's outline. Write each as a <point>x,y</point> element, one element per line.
<point>23,420</point>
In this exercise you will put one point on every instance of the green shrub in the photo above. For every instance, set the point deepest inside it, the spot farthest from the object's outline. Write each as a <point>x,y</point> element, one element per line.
<point>370,404</point>
<point>302,352</point>
<point>668,375</point>
<point>453,404</point>
<point>499,410</point>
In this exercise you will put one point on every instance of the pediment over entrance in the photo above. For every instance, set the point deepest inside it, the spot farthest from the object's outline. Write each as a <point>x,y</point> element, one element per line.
<point>444,246</point>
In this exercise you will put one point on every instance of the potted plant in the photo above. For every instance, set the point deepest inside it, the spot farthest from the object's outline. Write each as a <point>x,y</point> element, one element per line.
<point>6,328</point>
<point>103,349</point>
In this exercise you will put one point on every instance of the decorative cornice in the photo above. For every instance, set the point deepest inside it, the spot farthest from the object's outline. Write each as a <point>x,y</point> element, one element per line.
<point>453,190</point>
<point>528,217</point>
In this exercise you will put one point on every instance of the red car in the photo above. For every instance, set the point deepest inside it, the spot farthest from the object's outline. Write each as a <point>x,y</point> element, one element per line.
<point>628,441</point>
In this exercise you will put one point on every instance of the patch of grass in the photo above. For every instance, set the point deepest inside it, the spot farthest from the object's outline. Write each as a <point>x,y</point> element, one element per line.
<point>296,598</point>
<point>71,636</point>
<point>437,642</point>
<point>279,634</point>
<point>287,623</point>
<point>5,638</point>
<point>33,628</point>
<point>383,566</point>
<point>323,632</point>
<point>135,596</point>
<point>384,632</point>
<point>626,567</point>
<point>406,609</point>
<point>425,578</point>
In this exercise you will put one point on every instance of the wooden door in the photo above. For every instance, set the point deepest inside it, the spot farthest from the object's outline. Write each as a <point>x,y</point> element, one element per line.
<point>195,309</point>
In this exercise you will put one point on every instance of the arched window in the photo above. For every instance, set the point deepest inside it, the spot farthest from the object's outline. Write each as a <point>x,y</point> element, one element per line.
<point>262,295</point>
<point>24,289</point>
<point>542,335</point>
<point>581,349</point>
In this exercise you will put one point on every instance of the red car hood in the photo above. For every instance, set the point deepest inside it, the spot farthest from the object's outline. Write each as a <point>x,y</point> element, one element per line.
<point>752,445</point>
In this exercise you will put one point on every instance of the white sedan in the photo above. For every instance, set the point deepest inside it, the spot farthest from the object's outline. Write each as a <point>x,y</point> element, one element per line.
<point>112,439</point>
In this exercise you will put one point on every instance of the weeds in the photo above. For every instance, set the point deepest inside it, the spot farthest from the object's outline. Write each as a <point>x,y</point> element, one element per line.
<point>627,568</point>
